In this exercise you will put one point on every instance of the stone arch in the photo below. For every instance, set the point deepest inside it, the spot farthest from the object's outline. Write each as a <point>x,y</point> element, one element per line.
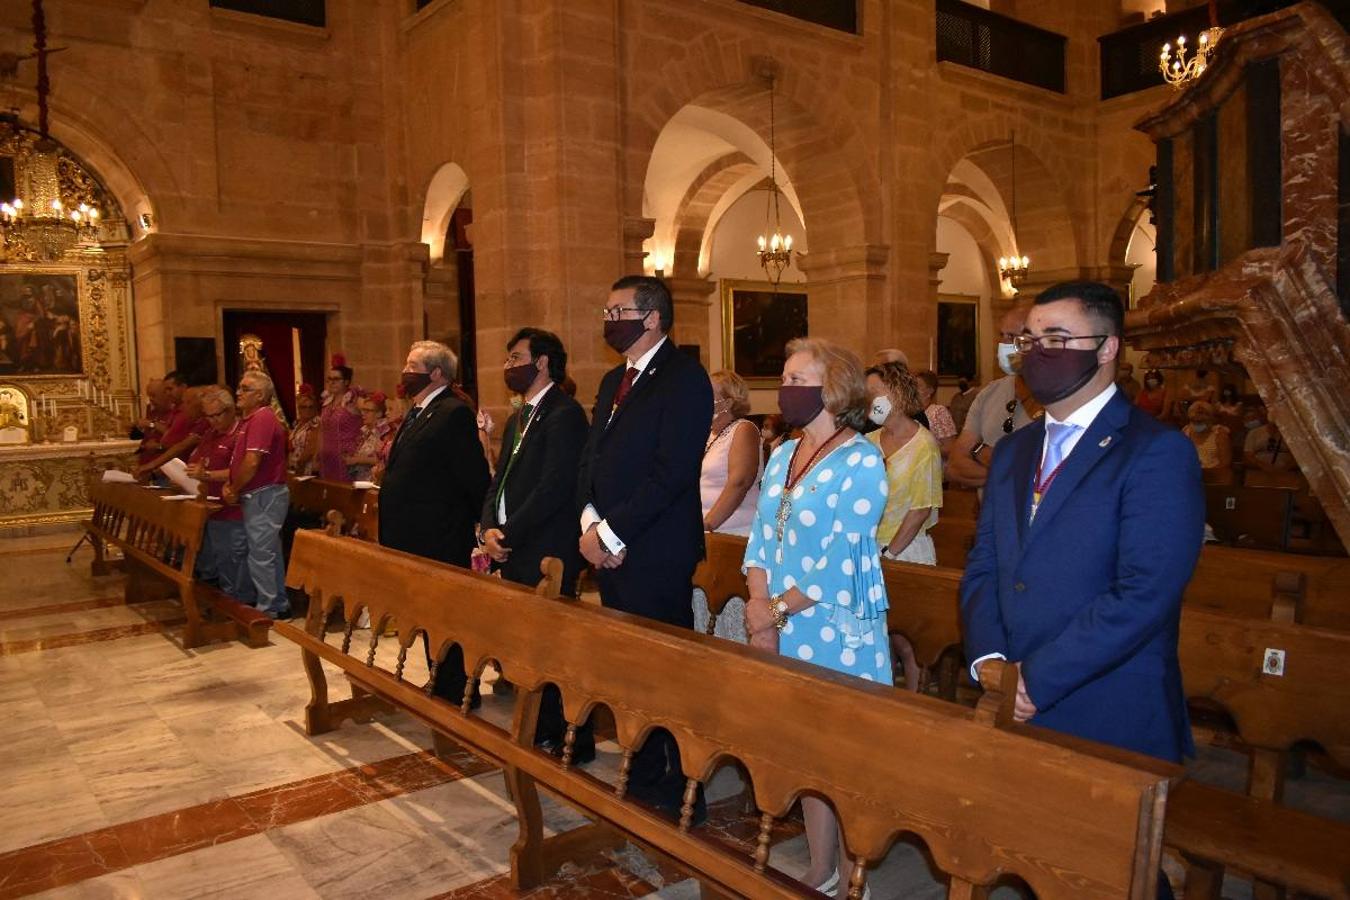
<point>716,187</point>
<point>445,190</point>
<point>1038,157</point>
<point>820,144</point>
<point>106,138</point>
<point>1120,239</point>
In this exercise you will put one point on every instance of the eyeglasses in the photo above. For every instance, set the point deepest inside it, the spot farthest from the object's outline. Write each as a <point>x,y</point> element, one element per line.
<point>1054,344</point>
<point>1010,409</point>
<point>215,415</point>
<point>615,313</point>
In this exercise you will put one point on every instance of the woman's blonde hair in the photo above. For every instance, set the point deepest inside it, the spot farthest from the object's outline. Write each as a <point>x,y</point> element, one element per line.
<point>844,389</point>
<point>900,384</point>
<point>732,387</point>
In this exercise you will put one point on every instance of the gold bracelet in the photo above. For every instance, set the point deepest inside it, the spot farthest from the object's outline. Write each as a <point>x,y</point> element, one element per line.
<point>779,608</point>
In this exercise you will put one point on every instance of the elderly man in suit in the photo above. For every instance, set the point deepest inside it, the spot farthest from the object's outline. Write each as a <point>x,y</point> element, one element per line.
<point>435,480</point>
<point>530,510</point>
<point>641,516</point>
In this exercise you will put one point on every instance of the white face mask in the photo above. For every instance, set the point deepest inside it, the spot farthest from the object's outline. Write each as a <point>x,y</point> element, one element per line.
<point>1005,354</point>
<point>880,411</point>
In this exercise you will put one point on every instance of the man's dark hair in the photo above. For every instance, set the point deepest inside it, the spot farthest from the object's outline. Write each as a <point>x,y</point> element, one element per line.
<point>544,343</point>
<point>649,293</point>
<point>1099,301</point>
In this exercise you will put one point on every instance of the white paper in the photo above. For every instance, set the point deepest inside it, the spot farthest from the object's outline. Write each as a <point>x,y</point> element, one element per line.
<point>179,497</point>
<point>303,477</point>
<point>117,476</point>
<point>176,471</point>
<point>365,485</point>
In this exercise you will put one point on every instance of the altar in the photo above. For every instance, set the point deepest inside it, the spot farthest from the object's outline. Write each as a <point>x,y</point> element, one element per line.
<point>48,483</point>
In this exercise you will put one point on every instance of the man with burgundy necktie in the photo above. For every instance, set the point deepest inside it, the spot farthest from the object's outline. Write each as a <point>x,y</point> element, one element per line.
<point>638,488</point>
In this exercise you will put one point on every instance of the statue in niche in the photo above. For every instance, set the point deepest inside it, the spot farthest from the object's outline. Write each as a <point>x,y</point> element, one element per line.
<point>15,422</point>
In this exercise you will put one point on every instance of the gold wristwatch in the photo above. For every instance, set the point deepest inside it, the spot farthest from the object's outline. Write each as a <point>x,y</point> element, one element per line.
<point>778,606</point>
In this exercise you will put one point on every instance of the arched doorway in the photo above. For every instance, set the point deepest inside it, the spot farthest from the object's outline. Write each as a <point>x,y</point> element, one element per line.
<point>448,312</point>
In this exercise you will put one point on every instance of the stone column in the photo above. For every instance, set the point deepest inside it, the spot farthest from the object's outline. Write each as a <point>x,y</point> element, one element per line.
<point>847,289</point>
<point>693,296</point>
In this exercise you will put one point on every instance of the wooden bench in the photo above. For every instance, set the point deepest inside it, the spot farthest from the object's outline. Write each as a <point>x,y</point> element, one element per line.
<point>1075,822</point>
<point>1222,659</point>
<point>1260,584</point>
<point>159,541</point>
<point>337,504</point>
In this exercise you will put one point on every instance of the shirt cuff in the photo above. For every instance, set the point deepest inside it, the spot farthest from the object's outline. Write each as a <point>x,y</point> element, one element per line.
<point>975,666</point>
<point>609,538</point>
<point>589,517</point>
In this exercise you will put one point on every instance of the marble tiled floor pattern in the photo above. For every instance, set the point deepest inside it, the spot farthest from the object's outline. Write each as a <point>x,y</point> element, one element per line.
<point>134,768</point>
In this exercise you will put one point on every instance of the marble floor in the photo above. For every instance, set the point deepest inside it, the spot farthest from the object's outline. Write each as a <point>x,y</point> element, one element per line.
<point>134,768</point>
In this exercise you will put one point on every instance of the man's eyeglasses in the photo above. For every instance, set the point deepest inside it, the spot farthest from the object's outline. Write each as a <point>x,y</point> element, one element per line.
<point>615,313</point>
<point>1010,409</point>
<point>1054,344</point>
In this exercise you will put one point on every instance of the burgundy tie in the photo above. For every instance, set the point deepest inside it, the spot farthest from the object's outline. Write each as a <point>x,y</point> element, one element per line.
<point>625,386</point>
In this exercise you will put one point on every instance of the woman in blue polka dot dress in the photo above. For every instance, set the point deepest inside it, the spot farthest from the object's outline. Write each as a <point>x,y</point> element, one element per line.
<point>812,563</point>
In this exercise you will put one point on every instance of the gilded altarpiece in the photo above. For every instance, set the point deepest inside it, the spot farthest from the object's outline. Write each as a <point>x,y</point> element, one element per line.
<point>45,481</point>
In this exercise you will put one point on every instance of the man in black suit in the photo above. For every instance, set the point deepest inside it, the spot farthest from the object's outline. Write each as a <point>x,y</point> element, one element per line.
<point>529,512</point>
<point>435,480</point>
<point>641,516</point>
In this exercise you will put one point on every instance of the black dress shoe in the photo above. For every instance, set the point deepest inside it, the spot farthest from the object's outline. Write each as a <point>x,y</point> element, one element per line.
<point>582,753</point>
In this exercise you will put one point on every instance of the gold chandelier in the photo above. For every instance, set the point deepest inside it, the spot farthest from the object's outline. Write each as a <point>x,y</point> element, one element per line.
<point>39,222</point>
<point>1014,269</point>
<point>775,249</point>
<point>1177,69</point>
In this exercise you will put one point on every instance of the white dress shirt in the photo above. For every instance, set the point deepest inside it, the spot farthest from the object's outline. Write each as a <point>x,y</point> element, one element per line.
<point>590,515</point>
<point>1083,417</point>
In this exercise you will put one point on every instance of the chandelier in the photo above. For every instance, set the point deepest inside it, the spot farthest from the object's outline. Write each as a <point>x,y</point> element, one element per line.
<point>1176,69</point>
<point>40,222</point>
<point>775,249</point>
<point>1014,269</point>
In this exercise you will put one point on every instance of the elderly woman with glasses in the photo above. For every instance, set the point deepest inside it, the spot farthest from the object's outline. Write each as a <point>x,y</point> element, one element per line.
<point>375,429</point>
<point>339,422</point>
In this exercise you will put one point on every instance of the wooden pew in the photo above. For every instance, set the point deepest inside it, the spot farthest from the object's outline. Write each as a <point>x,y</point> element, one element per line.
<point>1076,821</point>
<point>1222,659</point>
<point>1260,584</point>
<point>160,541</point>
<point>338,504</point>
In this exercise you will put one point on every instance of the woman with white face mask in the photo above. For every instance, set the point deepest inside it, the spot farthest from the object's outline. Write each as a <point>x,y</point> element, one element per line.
<point>914,479</point>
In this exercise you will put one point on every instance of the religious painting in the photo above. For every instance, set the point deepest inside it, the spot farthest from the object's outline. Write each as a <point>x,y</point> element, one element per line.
<point>758,320</point>
<point>958,345</point>
<point>40,324</point>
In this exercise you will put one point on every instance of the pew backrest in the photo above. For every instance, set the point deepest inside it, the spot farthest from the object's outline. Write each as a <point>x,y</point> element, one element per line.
<point>166,533</point>
<point>1071,821</point>
<point>320,498</point>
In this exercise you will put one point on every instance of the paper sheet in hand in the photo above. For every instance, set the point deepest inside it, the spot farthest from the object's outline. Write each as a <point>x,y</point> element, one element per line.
<point>365,485</point>
<point>117,476</point>
<point>176,471</point>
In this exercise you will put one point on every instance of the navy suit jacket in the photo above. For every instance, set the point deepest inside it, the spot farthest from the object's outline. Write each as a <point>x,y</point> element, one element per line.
<point>1088,596</point>
<point>641,471</point>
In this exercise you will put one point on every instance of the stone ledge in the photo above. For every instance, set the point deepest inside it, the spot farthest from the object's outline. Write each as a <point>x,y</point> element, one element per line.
<point>228,20</point>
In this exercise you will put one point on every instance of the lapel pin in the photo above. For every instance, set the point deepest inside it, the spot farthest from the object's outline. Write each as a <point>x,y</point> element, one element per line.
<point>1105,441</point>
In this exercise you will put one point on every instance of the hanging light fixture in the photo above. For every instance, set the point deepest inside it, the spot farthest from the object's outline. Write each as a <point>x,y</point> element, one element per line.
<point>1013,269</point>
<point>1176,69</point>
<point>41,222</point>
<point>775,248</point>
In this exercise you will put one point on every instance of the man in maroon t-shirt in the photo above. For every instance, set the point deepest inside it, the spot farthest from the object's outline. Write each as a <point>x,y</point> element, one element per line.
<point>224,558</point>
<point>185,429</point>
<point>156,421</point>
<point>258,485</point>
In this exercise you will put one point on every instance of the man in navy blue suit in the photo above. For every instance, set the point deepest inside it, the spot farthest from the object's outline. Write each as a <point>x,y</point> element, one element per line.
<point>638,489</point>
<point>1092,523</point>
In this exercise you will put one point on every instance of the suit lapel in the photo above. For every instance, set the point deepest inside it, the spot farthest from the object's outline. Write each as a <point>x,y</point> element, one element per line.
<point>644,381</point>
<point>419,423</point>
<point>1101,438</point>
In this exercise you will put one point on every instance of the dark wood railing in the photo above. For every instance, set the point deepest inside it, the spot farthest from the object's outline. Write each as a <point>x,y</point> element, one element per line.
<point>302,12</point>
<point>974,37</point>
<point>841,15</point>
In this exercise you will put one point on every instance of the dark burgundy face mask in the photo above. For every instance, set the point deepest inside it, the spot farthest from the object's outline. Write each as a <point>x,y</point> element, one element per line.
<point>1052,378</point>
<point>800,404</point>
<point>519,378</point>
<point>624,333</point>
<point>415,383</point>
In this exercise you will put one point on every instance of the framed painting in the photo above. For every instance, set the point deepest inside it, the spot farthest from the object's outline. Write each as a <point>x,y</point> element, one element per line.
<point>758,320</point>
<point>958,338</point>
<point>40,331</point>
